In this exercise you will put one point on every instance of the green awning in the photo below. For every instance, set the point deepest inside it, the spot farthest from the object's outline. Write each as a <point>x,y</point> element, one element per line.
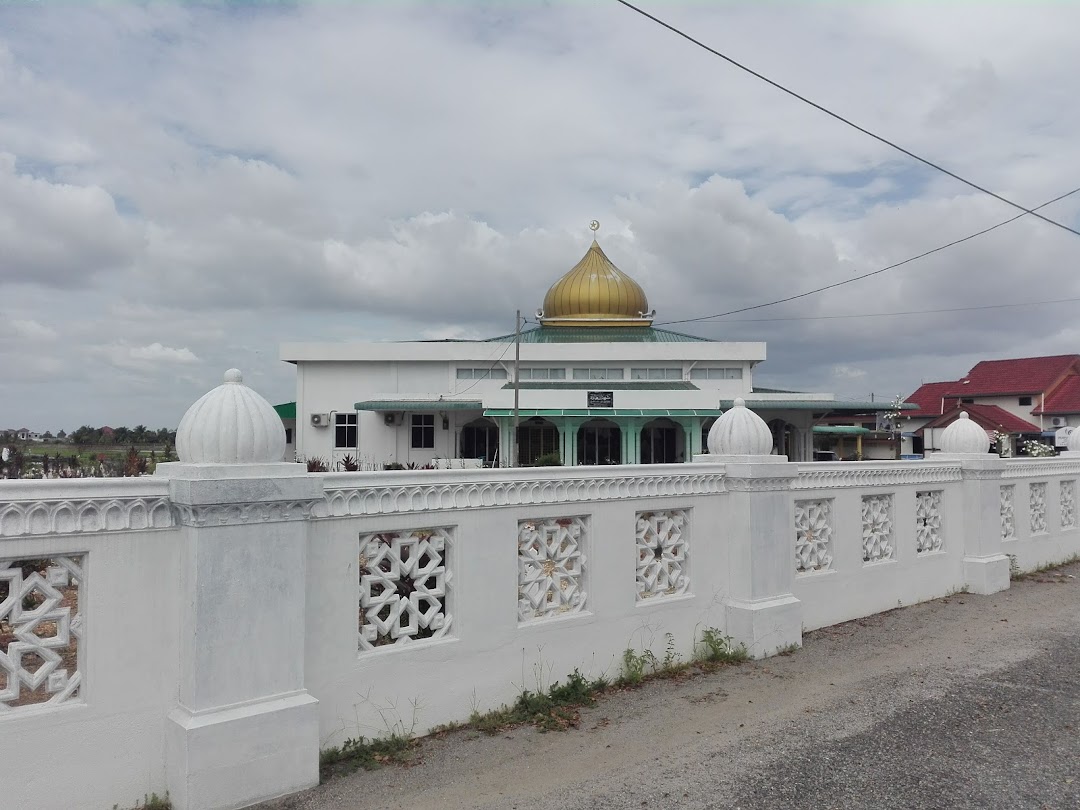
<point>825,406</point>
<point>592,412</point>
<point>419,405</point>
<point>286,410</point>
<point>841,430</point>
<point>604,385</point>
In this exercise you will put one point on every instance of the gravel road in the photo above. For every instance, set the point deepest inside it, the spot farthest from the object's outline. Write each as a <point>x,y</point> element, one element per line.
<point>966,702</point>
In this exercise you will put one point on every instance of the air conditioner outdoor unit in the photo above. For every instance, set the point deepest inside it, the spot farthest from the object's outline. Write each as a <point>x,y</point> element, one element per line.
<point>320,419</point>
<point>390,419</point>
<point>1057,421</point>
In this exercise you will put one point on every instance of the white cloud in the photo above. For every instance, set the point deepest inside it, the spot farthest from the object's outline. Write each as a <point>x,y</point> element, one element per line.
<point>29,330</point>
<point>145,358</point>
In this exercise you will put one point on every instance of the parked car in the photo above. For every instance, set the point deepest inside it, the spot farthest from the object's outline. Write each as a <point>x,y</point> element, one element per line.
<point>825,455</point>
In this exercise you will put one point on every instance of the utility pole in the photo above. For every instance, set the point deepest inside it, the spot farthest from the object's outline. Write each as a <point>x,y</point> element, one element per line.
<point>514,460</point>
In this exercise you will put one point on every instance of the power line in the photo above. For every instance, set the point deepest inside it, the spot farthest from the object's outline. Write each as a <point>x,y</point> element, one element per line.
<point>489,368</point>
<point>912,312</point>
<point>874,272</point>
<point>842,119</point>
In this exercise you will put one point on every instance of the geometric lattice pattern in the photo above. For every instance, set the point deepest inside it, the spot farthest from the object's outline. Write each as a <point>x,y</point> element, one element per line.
<point>928,521</point>
<point>41,631</point>
<point>1037,507</point>
<point>404,586</point>
<point>551,565</point>
<point>877,528</point>
<point>813,536</point>
<point>1008,522</point>
<point>663,545</point>
<point>1068,504</point>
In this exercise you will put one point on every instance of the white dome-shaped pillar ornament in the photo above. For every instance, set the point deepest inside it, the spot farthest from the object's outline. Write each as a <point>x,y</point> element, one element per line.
<point>741,433</point>
<point>964,438</point>
<point>231,425</point>
<point>1073,447</point>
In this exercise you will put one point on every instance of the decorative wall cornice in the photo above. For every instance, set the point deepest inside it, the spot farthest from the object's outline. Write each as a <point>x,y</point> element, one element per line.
<point>832,476</point>
<point>757,484</point>
<point>1041,468</point>
<point>237,514</point>
<point>388,499</point>
<point>80,516</point>
<point>978,474</point>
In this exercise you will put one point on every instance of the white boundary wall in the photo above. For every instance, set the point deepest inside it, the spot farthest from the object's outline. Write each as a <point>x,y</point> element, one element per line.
<point>184,688</point>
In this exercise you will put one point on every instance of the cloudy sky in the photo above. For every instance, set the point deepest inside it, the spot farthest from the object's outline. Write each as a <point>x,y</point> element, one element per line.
<point>183,188</point>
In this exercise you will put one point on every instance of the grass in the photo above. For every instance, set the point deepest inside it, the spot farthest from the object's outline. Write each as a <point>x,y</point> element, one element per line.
<point>151,802</point>
<point>1016,575</point>
<point>556,709</point>
<point>370,754</point>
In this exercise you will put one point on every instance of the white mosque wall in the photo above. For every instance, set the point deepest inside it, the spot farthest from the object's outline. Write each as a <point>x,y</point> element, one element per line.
<point>331,378</point>
<point>757,549</point>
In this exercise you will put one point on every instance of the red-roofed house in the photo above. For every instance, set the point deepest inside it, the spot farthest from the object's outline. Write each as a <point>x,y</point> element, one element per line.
<point>1031,397</point>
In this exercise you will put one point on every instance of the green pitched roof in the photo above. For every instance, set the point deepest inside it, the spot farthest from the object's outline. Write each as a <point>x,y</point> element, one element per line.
<point>600,334</point>
<point>286,410</point>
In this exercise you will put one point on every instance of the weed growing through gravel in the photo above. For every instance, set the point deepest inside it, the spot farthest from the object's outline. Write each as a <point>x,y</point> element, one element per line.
<point>554,710</point>
<point>152,802</point>
<point>718,649</point>
<point>360,752</point>
<point>557,709</point>
<point>1015,574</point>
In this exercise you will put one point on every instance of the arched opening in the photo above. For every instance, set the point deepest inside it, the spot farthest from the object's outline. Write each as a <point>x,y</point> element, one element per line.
<point>662,442</point>
<point>599,442</point>
<point>480,439</point>
<point>786,439</point>
<point>706,426</point>
<point>537,437</point>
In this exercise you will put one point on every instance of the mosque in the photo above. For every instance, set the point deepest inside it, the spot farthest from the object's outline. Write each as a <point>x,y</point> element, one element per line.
<point>596,383</point>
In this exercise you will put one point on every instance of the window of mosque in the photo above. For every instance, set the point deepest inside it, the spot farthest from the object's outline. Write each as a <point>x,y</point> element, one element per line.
<point>672,373</point>
<point>598,373</point>
<point>344,430</point>
<point>423,431</point>
<point>481,373</point>
<point>542,374</point>
<point>715,373</point>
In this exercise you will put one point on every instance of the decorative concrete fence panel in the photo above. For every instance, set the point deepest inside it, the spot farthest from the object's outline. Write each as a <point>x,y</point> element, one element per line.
<point>88,641</point>
<point>434,594</point>
<point>1038,511</point>
<point>871,536</point>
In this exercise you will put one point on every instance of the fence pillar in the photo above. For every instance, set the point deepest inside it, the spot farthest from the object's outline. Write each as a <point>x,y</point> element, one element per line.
<point>761,609</point>
<point>986,567</point>
<point>244,728</point>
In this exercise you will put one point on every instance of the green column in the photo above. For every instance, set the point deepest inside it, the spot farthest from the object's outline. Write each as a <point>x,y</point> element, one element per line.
<point>691,425</point>
<point>506,440</point>
<point>631,440</point>
<point>568,431</point>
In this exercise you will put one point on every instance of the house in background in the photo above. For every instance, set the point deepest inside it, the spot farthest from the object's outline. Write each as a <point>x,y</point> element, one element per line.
<point>1027,398</point>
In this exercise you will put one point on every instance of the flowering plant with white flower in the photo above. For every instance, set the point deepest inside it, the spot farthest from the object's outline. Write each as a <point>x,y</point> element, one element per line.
<point>1038,449</point>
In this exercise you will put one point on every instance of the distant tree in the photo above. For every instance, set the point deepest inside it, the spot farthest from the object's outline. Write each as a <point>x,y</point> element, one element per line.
<point>86,435</point>
<point>61,434</point>
<point>47,435</point>
<point>122,435</point>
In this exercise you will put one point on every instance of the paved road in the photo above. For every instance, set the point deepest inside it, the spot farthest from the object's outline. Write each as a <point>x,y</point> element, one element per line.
<point>967,702</point>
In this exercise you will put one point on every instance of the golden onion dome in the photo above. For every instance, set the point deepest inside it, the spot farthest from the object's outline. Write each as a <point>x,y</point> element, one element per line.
<point>595,293</point>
